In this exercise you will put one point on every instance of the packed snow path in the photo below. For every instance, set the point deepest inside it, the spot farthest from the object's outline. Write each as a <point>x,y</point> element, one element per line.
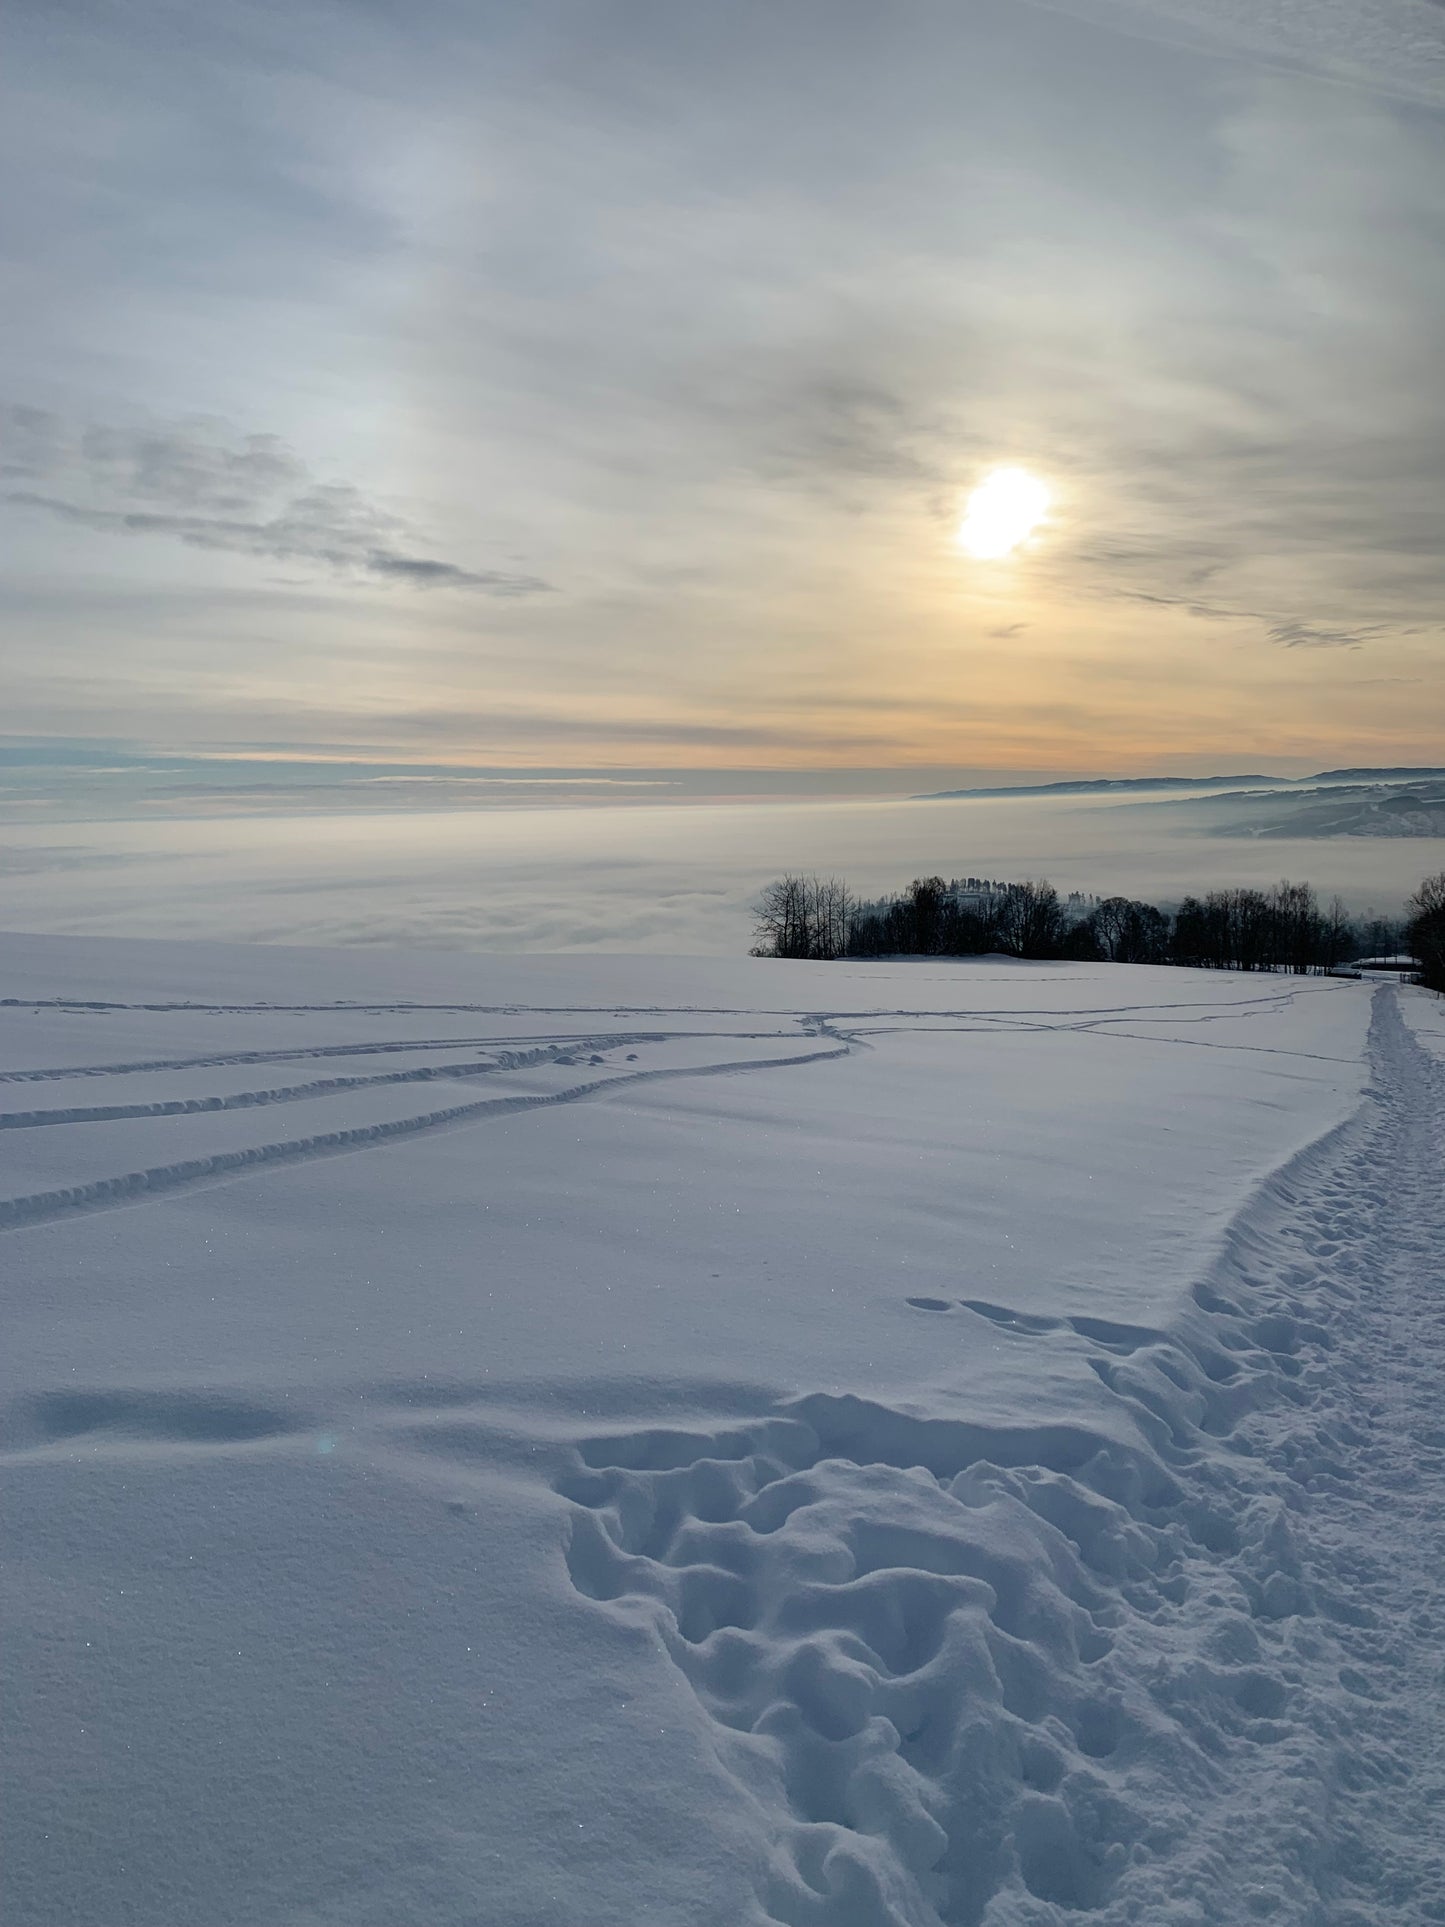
<point>628,1443</point>
<point>1199,1677</point>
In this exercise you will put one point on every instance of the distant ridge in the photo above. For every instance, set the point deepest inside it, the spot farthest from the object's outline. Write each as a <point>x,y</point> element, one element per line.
<point>1105,785</point>
<point>1368,775</point>
<point>1095,785</point>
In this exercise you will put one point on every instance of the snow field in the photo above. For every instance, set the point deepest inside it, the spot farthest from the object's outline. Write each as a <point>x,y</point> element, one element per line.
<point>907,1444</point>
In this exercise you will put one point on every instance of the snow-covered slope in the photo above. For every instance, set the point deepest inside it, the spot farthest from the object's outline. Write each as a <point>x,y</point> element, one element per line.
<point>654,1442</point>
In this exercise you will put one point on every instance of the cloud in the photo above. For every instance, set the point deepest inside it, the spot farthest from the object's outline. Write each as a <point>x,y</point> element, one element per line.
<point>1290,632</point>
<point>1394,47</point>
<point>194,485</point>
<point>628,306</point>
<point>29,440</point>
<point>426,572</point>
<point>1308,635</point>
<point>175,467</point>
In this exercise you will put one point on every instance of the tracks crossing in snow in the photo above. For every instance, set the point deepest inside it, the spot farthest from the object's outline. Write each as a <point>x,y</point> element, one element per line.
<point>134,1186</point>
<point>1177,1661</point>
<point>145,1179</point>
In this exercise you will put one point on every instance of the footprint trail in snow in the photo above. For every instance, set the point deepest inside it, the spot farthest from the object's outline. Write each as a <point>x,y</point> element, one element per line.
<point>1183,1664</point>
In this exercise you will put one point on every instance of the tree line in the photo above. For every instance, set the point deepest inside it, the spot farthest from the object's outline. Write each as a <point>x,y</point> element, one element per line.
<point>1283,928</point>
<point>1425,932</point>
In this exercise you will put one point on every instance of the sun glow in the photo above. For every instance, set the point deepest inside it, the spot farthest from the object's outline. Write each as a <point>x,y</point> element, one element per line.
<point>1002,512</point>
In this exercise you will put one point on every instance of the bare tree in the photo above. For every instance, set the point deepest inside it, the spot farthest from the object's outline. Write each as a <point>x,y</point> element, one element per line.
<point>781,919</point>
<point>1030,920</point>
<point>802,916</point>
<point>1128,931</point>
<point>1339,934</point>
<point>829,905</point>
<point>1298,928</point>
<point>1426,930</point>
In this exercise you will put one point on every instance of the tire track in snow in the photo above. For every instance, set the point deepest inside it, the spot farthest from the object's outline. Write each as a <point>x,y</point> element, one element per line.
<point>133,1187</point>
<point>1177,1660</point>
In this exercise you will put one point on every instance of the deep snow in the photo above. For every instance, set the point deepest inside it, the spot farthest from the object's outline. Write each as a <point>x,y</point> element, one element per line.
<point>655,1442</point>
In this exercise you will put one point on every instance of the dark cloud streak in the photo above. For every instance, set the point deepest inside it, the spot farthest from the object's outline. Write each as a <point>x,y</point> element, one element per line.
<point>153,482</point>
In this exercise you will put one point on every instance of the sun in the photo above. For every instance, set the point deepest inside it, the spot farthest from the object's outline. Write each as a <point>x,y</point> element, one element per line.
<point>1002,512</point>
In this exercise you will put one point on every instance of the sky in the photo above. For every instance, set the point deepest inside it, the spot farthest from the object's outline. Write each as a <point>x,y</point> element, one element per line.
<point>599,385</point>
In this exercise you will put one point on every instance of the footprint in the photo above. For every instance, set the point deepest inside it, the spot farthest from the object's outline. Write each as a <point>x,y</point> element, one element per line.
<point>929,1304</point>
<point>1115,1337</point>
<point>822,1587</point>
<point>1014,1321</point>
<point>145,1418</point>
<point>1118,1338</point>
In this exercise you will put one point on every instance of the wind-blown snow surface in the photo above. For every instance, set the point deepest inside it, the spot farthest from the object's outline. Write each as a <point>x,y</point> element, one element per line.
<point>659,1442</point>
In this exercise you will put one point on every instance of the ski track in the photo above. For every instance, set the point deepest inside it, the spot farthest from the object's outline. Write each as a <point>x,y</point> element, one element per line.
<point>1271,999</point>
<point>499,1060</point>
<point>225,1059</point>
<point>1181,1666</point>
<point>845,1030</point>
<point>132,1187</point>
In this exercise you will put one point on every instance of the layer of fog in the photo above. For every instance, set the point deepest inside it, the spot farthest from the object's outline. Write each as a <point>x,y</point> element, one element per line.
<point>666,879</point>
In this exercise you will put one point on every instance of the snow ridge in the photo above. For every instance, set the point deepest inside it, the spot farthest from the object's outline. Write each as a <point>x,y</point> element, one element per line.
<point>1174,1662</point>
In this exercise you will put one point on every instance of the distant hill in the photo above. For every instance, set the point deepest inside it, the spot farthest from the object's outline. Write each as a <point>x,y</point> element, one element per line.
<point>1123,785</point>
<point>1392,808</point>
<point>1104,784</point>
<point>1370,775</point>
